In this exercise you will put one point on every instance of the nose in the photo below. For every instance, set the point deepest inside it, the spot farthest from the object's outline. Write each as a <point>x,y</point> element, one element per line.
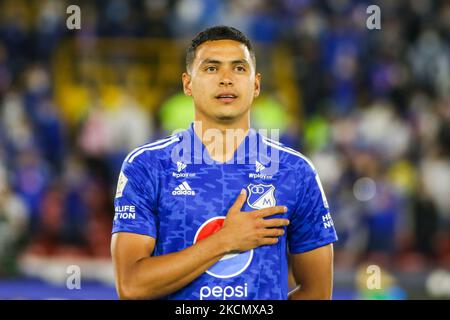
<point>226,80</point>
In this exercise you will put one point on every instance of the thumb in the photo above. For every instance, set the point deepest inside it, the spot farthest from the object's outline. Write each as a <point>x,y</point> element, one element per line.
<point>237,205</point>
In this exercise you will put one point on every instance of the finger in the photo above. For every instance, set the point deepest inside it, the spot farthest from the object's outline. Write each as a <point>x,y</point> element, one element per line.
<point>275,223</point>
<point>262,213</point>
<point>237,205</point>
<point>276,232</point>
<point>268,241</point>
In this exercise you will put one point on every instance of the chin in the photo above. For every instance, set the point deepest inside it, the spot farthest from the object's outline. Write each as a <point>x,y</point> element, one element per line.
<point>227,117</point>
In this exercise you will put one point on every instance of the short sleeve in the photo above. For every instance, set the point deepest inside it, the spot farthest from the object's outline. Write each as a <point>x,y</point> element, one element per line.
<point>311,225</point>
<point>135,199</point>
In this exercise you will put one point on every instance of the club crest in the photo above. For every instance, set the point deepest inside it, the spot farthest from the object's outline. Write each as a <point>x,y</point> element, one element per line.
<point>261,196</point>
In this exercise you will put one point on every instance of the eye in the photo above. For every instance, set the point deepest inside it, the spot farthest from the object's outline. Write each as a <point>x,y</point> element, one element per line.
<point>211,69</point>
<point>240,68</point>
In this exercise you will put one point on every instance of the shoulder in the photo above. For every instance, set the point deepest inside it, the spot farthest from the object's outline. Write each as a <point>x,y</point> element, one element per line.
<point>288,156</point>
<point>150,153</point>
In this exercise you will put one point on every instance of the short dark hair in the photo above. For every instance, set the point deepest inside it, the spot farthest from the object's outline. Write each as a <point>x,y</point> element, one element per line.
<point>217,33</point>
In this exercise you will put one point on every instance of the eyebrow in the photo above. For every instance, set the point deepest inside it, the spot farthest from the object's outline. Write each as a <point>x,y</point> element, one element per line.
<point>214,61</point>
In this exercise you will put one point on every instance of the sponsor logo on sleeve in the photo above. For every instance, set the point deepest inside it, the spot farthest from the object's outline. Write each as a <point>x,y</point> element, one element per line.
<point>122,182</point>
<point>125,213</point>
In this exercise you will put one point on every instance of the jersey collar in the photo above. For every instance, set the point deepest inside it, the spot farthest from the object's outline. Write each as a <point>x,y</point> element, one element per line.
<point>246,153</point>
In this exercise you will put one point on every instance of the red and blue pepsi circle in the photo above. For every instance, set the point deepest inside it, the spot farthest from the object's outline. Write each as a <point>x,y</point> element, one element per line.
<point>230,265</point>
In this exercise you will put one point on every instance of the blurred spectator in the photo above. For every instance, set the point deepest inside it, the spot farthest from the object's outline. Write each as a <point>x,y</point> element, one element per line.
<point>5,74</point>
<point>175,113</point>
<point>49,28</point>
<point>426,222</point>
<point>13,225</point>
<point>31,176</point>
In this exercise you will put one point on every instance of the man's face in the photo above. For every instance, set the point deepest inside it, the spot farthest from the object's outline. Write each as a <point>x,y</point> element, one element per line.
<point>222,80</point>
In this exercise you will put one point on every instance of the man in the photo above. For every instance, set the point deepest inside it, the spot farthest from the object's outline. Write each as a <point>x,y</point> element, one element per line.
<point>199,220</point>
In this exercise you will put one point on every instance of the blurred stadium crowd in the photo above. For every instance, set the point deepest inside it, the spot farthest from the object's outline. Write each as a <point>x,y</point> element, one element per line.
<point>373,114</point>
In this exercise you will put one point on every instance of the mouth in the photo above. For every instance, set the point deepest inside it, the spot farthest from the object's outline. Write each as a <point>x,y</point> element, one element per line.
<point>226,97</point>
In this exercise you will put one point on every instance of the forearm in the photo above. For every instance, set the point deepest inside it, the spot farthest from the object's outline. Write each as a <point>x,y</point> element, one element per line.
<point>154,277</point>
<point>313,274</point>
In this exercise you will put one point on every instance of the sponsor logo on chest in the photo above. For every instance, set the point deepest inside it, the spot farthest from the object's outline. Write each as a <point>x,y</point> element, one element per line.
<point>259,172</point>
<point>181,166</point>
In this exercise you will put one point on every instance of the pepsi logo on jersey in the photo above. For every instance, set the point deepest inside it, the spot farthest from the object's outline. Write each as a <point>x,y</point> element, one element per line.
<point>228,266</point>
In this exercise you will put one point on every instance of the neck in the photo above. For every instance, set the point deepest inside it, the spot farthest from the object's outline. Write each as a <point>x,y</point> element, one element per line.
<point>221,139</point>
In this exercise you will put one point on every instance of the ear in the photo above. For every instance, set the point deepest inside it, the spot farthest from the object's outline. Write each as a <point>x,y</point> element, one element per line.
<point>257,85</point>
<point>186,79</point>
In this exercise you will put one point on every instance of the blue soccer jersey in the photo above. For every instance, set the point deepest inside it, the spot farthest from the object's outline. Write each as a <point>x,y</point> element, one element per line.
<point>173,191</point>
